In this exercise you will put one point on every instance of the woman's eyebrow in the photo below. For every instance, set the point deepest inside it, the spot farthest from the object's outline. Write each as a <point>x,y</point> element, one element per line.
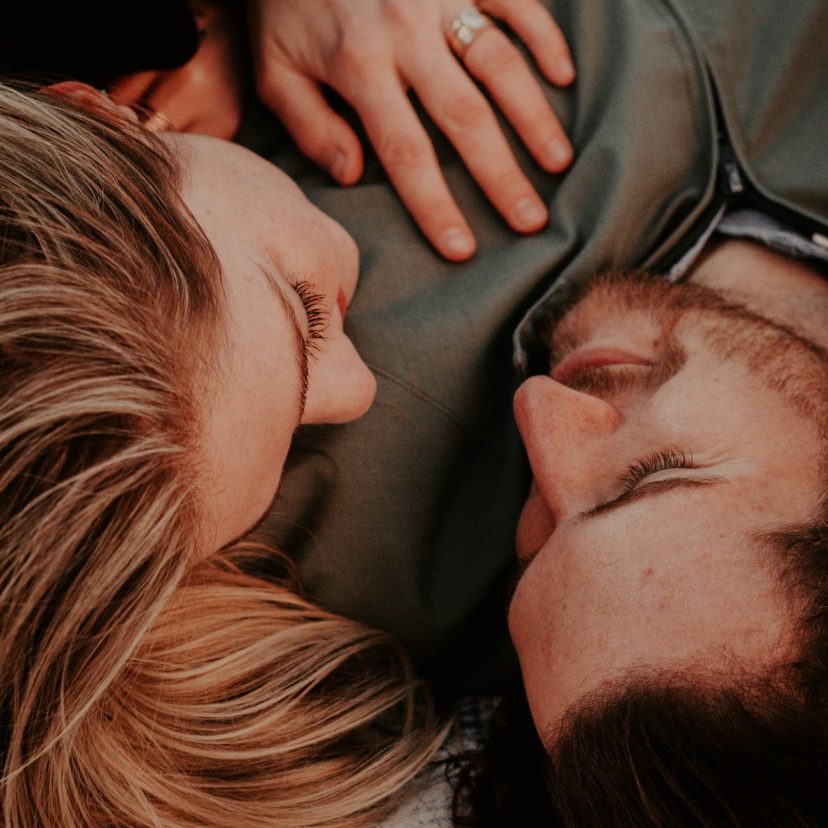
<point>653,489</point>
<point>298,337</point>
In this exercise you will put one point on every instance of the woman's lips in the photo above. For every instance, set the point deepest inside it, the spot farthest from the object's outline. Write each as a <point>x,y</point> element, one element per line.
<point>587,358</point>
<point>342,302</point>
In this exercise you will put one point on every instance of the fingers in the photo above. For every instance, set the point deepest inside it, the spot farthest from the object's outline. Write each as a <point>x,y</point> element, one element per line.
<point>318,131</point>
<point>462,113</point>
<point>185,100</point>
<point>499,66</point>
<point>535,26</point>
<point>406,153</point>
<point>372,52</point>
<point>204,96</point>
<point>465,117</point>
<point>130,90</point>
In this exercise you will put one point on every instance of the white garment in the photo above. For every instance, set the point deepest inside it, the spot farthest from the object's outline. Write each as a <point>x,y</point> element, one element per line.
<point>428,800</point>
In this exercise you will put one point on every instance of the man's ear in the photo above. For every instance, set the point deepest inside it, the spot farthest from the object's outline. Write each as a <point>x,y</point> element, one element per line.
<point>92,100</point>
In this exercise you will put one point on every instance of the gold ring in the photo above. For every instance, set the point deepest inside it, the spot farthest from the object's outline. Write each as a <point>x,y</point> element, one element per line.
<point>466,27</point>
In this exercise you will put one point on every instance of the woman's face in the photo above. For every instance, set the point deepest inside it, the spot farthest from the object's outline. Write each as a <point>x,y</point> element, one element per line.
<point>282,356</point>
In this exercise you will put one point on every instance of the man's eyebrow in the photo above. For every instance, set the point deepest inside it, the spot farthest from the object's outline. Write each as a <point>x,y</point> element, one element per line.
<point>653,489</point>
<point>298,337</point>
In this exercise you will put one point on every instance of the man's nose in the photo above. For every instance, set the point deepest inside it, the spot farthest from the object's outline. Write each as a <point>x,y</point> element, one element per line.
<point>566,437</point>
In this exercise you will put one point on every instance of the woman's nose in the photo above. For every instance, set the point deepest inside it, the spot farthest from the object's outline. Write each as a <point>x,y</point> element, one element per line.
<point>566,434</point>
<point>346,260</point>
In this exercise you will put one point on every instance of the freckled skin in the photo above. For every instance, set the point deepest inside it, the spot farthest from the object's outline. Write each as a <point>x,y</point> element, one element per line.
<point>259,222</point>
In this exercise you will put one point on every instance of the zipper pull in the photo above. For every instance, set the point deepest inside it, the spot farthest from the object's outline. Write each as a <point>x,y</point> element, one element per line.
<point>730,175</point>
<point>733,178</point>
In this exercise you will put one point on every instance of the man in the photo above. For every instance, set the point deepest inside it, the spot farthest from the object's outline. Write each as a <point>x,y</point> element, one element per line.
<point>676,428</point>
<point>681,111</point>
<point>670,613</point>
<point>670,618</point>
<point>682,404</point>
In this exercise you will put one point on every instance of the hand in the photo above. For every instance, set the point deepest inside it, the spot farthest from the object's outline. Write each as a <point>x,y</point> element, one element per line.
<point>205,95</point>
<point>372,52</point>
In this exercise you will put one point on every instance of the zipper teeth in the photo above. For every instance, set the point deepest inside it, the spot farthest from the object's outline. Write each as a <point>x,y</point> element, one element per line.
<point>733,185</point>
<point>733,178</point>
<point>732,173</point>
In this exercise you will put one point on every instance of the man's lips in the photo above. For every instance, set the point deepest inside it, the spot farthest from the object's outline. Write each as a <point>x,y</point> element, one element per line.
<point>587,358</point>
<point>535,526</point>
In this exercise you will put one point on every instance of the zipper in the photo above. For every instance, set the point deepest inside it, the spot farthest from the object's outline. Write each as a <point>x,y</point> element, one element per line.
<point>726,179</point>
<point>731,182</point>
<point>734,182</point>
<point>734,189</point>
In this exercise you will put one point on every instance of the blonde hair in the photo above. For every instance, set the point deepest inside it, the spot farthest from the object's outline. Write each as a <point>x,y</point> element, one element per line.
<point>138,688</point>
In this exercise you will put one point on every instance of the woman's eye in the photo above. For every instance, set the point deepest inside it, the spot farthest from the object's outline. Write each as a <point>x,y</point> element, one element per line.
<point>315,311</point>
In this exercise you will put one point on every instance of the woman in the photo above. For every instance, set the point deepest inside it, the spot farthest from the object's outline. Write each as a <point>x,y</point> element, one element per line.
<point>153,370</point>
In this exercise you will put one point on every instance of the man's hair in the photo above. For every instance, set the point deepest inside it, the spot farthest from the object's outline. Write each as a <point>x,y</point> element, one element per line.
<point>670,751</point>
<point>139,687</point>
<point>684,749</point>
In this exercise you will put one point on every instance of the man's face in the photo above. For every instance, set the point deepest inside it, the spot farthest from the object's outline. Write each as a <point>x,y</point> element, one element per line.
<point>670,432</point>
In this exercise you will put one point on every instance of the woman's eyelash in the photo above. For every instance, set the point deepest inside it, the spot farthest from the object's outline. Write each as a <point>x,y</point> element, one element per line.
<point>315,312</point>
<point>660,461</point>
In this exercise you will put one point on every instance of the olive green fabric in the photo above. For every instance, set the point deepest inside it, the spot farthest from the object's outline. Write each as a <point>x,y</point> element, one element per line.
<point>769,62</point>
<point>406,518</point>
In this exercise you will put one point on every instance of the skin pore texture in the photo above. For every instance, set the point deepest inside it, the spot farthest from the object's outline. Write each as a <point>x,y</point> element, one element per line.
<point>674,427</point>
<point>282,357</point>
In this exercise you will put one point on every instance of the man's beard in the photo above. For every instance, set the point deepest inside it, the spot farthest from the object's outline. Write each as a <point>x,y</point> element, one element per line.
<point>781,358</point>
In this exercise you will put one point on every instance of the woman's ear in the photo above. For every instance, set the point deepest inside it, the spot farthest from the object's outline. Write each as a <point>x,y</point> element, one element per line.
<point>92,100</point>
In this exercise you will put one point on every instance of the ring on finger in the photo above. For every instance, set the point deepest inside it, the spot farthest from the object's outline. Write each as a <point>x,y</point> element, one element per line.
<point>466,27</point>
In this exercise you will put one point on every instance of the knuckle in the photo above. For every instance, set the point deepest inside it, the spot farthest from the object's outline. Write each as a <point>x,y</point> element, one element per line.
<point>496,55</point>
<point>466,112</point>
<point>402,12</point>
<point>508,183</point>
<point>399,149</point>
<point>353,57</point>
<point>357,57</point>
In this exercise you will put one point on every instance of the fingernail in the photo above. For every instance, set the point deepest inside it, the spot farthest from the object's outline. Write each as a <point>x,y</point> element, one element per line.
<point>529,214</point>
<point>339,165</point>
<point>566,71</point>
<point>558,154</point>
<point>457,243</point>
